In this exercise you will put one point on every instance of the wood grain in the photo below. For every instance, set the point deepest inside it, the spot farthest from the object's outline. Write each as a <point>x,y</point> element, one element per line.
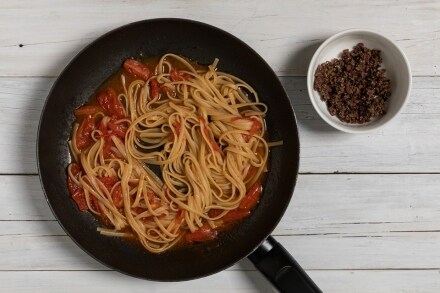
<point>333,222</point>
<point>285,33</point>
<point>408,281</point>
<point>365,214</point>
<point>346,205</point>
<point>409,144</point>
<point>329,251</point>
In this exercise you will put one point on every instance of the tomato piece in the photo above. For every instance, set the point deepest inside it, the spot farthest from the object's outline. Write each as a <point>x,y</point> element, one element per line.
<point>71,186</point>
<point>213,213</point>
<point>80,199</point>
<point>117,198</point>
<point>138,210</point>
<point>178,220</point>
<point>251,172</point>
<point>107,149</point>
<point>75,169</point>
<point>236,215</point>
<point>177,127</point>
<point>152,196</point>
<point>256,126</point>
<point>105,98</point>
<point>252,197</point>
<point>103,128</point>
<point>88,110</point>
<point>108,182</point>
<point>117,129</point>
<point>114,153</point>
<point>246,137</point>
<point>108,99</point>
<point>212,141</point>
<point>95,204</point>
<point>202,234</point>
<point>154,200</point>
<point>154,89</point>
<point>108,152</point>
<point>215,146</point>
<point>167,90</point>
<point>175,75</point>
<point>180,216</point>
<point>108,143</point>
<point>84,133</point>
<point>249,201</point>
<point>137,68</point>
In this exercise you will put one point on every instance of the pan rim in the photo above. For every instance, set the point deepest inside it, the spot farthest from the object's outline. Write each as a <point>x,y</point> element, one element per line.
<point>68,66</point>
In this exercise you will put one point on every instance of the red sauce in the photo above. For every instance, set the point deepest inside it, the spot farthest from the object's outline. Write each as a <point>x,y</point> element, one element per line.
<point>104,100</point>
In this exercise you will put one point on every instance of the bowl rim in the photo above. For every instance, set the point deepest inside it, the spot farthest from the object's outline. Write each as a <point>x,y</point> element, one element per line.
<point>357,128</point>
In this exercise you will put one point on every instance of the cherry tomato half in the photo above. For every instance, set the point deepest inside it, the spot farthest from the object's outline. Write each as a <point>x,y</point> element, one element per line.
<point>137,68</point>
<point>84,133</point>
<point>202,234</point>
<point>80,199</point>
<point>251,198</point>
<point>108,99</point>
<point>75,169</point>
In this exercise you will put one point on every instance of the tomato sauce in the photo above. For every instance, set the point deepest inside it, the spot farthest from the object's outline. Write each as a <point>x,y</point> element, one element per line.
<point>105,99</point>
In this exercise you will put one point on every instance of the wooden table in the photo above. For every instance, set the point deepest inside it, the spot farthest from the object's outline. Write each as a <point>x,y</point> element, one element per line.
<point>365,216</point>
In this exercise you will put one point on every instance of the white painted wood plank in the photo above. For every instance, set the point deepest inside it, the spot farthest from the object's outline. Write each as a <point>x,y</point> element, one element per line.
<point>339,227</point>
<point>333,222</point>
<point>25,199</point>
<point>21,103</point>
<point>343,205</point>
<point>387,281</point>
<point>408,144</point>
<point>285,33</point>
<point>42,245</point>
<point>409,281</point>
<point>363,205</point>
<point>110,281</point>
<point>46,240</point>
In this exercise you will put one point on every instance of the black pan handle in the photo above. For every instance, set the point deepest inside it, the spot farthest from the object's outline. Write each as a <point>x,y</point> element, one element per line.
<point>279,267</point>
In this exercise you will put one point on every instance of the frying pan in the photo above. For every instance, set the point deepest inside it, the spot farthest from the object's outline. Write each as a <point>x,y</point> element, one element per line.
<point>201,43</point>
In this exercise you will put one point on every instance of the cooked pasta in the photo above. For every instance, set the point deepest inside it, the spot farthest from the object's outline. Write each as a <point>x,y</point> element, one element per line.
<point>202,128</point>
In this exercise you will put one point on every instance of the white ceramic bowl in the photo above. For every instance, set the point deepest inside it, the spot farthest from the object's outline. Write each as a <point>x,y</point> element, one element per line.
<point>393,60</point>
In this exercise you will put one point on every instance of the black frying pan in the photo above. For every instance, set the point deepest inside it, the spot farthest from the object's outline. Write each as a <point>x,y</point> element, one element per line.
<point>201,43</point>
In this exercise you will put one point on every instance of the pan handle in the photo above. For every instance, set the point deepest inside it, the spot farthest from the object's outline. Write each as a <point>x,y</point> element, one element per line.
<point>279,267</point>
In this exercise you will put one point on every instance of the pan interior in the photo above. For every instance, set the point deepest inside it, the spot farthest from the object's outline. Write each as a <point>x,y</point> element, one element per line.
<point>201,43</point>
